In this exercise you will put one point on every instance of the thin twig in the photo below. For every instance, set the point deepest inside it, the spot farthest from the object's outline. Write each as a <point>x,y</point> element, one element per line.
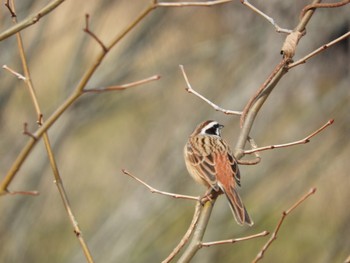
<point>189,89</point>
<point>257,158</point>
<point>319,50</point>
<point>234,240</point>
<point>268,18</point>
<point>124,86</point>
<point>26,132</point>
<point>33,193</point>
<point>153,190</point>
<point>8,5</point>
<point>188,4</point>
<point>284,215</point>
<point>322,5</point>
<point>90,33</point>
<point>187,235</point>
<point>18,75</point>
<point>302,141</point>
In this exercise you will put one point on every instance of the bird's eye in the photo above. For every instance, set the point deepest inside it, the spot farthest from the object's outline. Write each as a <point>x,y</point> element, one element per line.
<point>214,130</point>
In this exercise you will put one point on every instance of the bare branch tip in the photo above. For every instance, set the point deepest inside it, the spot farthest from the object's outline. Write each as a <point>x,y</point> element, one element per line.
<point>32,193</point>
<point>26,132</point>
<point>313,190</point>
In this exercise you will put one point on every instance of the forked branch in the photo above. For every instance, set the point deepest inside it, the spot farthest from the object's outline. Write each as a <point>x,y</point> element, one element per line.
<point>92,34</point>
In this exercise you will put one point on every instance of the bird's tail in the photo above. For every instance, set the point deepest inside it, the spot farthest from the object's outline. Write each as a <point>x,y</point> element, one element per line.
<point>237,207</point>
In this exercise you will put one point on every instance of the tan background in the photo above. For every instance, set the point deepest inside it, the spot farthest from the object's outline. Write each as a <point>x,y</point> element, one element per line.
<point>228,51</point>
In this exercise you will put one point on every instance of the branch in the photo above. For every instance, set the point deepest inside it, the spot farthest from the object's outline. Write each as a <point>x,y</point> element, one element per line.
<point>269,19</point>
<point>124,86</point>
<point>198,234</point>
<point>253,107</point>
<point>302,141</point>
<point>26,132</point>
<point>187,4</point>
<point>189,89</point>
<point>8,5</point>
<point>18,75</point>
<point>284,215</point>
<point>319,50</point>
<point>322,5</point>
<point>277,70</point>
<point>87,30</point>
<point>30,20</point>
<point>153,190</point>
<point>235,240</point>
<point>33,193</point>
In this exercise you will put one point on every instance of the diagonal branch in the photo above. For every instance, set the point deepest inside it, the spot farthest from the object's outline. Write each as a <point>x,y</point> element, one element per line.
<point>302,141</point>
<point>323,5</point>
<point>31,19</point>
<point>92,34</point>
<point>284,215</point>
<point>189,89</point>
<point>187,235</point>
<point>319,50</point>
<point>53,163</point>
<point>153,190</point>
<point>253,107</point>
<point>124,86</point>
<point>268,18</point>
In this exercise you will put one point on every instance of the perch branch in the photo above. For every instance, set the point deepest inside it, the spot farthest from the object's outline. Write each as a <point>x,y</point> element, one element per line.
<point>187,235</point>
<point>284,215</point>
<point>199,230</point>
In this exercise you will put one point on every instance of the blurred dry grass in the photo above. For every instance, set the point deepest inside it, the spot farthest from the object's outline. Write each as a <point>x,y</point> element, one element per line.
<point>228,52</point>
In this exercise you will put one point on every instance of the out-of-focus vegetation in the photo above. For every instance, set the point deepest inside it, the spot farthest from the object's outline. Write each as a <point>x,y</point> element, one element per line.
<point>227,51</point>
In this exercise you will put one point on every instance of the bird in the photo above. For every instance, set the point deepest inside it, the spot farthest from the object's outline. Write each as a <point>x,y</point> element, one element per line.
<point>210,162</point>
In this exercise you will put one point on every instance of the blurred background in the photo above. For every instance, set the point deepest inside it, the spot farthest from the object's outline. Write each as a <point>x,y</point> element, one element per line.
<point>228,52</point>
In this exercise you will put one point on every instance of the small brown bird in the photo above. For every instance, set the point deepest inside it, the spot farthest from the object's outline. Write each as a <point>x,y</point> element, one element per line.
<point>210,162</point>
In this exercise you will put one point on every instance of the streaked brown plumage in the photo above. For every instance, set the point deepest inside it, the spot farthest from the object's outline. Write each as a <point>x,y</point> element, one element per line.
<point>209,161</point>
